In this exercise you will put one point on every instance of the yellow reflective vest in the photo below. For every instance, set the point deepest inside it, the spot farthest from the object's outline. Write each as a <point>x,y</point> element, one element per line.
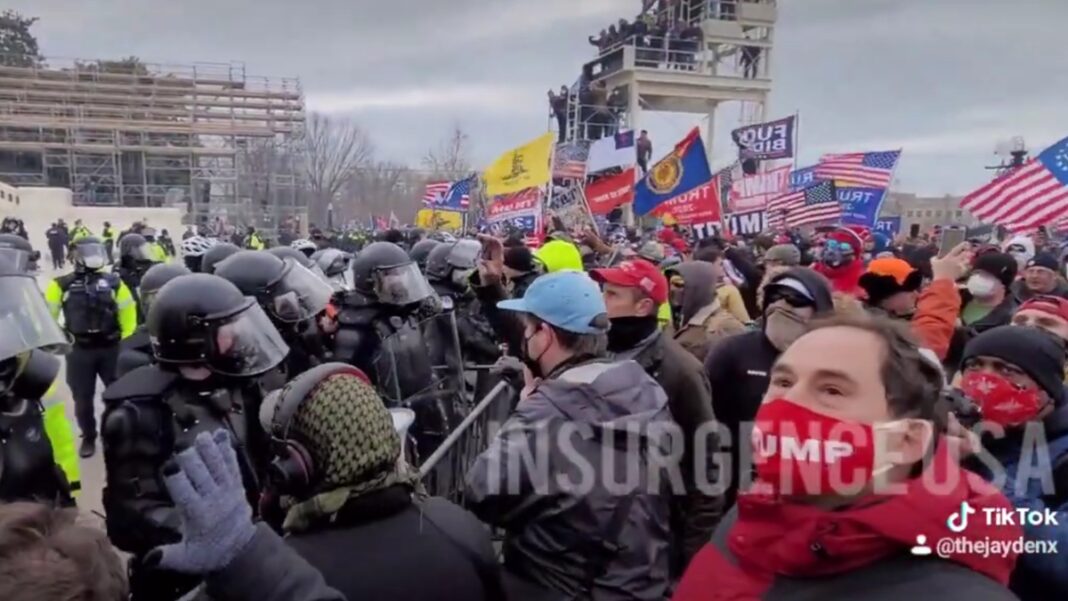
<point>126,308</point>
<point>61,435</point>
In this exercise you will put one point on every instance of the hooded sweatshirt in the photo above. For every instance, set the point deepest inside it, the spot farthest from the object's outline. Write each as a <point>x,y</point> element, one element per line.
<point>555,531</point>
<point>1028,253</point>
<point>769,548</point>
<point>738,366</point>
<point>846,278</point>
<point>703,321</point>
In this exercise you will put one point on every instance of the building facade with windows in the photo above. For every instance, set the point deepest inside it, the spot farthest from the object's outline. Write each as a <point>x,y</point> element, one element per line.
<point>927,211</point>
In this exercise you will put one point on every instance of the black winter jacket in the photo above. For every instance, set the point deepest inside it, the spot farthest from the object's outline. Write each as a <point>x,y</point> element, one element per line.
<point>383,546</point>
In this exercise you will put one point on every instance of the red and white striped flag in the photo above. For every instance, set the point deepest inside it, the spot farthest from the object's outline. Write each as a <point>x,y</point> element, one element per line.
<point>435,191</point>
<point>1032,195</point>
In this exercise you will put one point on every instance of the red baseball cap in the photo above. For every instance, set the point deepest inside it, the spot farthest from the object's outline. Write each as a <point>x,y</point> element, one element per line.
<point>635,274</point>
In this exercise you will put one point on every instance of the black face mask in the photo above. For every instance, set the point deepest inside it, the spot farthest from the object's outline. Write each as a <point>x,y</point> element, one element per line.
<point>528,360</point>
<point>627,332</point>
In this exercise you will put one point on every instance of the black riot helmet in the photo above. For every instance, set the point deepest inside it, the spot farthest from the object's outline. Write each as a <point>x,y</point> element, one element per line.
<point>288,291</point>
<point>135,249</point>
<point>460,256</point>
<point>421,251</point>
<point>215,255</point>
<point>17,254</point>
<point>383,270</point>
<point>154,279</point>
<point>204,320</point>
<point>88,253</point>
<point>288,252</point>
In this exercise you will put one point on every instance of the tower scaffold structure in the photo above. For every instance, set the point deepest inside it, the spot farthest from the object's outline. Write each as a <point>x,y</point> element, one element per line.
<point>683,56</point>
<point>207,137</point>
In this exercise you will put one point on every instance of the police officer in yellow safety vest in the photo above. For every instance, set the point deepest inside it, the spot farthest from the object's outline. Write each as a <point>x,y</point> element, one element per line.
<point>108,234</point>
<point>37,457</point>
<point>98,311</point>
<point>79,231</point>
<point>253,240</point>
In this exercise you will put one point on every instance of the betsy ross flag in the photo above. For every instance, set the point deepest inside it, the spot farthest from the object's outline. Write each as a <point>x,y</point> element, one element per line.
<point>1032,195</point>
<point>859,169</point>
<point>814,204</point>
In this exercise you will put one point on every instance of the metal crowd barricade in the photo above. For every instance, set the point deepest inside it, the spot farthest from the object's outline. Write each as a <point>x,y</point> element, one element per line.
<point>444,472</point>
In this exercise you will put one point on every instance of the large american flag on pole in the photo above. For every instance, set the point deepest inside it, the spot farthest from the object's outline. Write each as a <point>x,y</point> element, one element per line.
<point>815,204</point>
<point>859,169</point>
<point>1033,195</point>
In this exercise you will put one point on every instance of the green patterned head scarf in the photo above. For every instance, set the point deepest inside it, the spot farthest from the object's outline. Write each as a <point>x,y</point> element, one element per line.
<point>348,432</point>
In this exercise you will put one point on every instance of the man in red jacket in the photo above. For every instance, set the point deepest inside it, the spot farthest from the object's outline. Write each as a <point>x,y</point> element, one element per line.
<point>842,260</point>
<point>855,484</point>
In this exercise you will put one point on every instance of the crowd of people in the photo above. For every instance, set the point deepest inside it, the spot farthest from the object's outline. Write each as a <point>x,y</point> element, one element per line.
<point>787,416</point>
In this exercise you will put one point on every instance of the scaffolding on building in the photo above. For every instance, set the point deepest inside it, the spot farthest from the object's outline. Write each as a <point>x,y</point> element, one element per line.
<point>207,137</point>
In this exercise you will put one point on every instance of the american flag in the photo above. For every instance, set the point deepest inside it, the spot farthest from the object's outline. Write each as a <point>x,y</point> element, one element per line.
<point>569,161</point>
<point>859,169</point>
<point>435,191</point>
<point>725,179</point>
<point>814,204</point>
<point>1032,195</point>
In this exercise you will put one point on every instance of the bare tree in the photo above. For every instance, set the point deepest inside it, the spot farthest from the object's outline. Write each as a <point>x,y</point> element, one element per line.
<point>449,159</point>
<point>334,148</point>
<point>381,188</point>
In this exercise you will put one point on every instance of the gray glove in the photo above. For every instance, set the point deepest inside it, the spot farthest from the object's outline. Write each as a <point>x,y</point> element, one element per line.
<point>207,491</point>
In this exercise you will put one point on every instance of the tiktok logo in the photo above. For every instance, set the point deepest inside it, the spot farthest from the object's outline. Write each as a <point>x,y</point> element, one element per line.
<point>958,521</point>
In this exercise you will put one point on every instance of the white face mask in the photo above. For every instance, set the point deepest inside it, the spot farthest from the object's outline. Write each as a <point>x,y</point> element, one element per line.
<point>981,286</point>
<point>782,328</point>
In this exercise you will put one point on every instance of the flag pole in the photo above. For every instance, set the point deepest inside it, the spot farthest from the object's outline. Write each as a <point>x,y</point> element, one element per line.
<point>797,136</point>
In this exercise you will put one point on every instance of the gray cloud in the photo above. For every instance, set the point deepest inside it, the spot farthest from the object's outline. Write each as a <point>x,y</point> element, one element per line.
<point>945,80</point>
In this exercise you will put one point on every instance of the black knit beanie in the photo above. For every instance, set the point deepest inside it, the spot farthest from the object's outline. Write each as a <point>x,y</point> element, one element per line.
<point>519,258</point>
<point>1037,354</point>
<point>1000,265</point>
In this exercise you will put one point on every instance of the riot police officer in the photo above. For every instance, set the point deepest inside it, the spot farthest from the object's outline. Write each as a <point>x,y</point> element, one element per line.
<point>210,343</point>
<point>380,332</point>
<point>136,256</point>
<point>448,269</point>
<point>37,457</point>
<point>98,311</point>
<point>136,350</point>
<point>421,251</point>
<point>215,255</point>
<point>17,253</point>
<point>292,296</point>
<point>288,252</point>
<point>334,263</point>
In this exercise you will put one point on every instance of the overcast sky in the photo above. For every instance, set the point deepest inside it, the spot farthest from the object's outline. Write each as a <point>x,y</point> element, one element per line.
<point>943,79</point>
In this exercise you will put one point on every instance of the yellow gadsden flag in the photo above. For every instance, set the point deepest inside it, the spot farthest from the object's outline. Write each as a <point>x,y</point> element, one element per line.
<point>520,168</point>
<point>439,220</point>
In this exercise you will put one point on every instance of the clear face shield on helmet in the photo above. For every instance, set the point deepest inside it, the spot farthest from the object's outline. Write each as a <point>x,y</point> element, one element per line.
<point>245,344</point>
<point>25,321</point>
<point>14,259</point>
<point>401,285</point>
<point>91,254</point>
<point>299,294</point>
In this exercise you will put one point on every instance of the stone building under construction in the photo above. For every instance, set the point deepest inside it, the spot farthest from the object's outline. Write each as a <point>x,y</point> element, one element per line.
<point>207,137</point>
